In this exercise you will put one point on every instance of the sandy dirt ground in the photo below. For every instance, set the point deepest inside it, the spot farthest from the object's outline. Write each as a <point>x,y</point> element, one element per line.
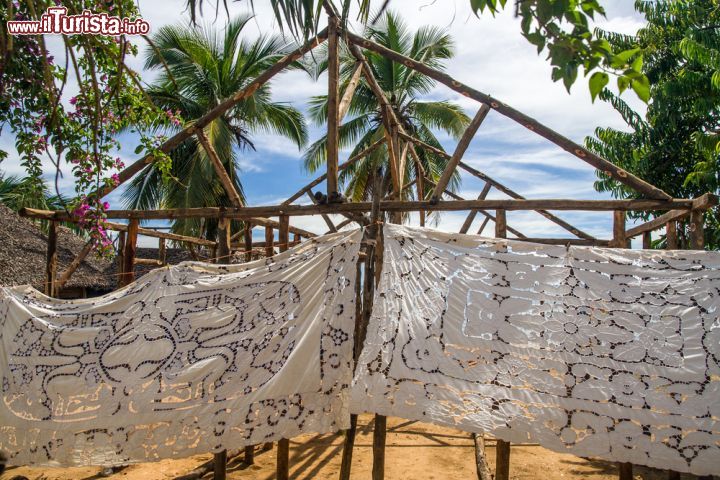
<point>414,451</point>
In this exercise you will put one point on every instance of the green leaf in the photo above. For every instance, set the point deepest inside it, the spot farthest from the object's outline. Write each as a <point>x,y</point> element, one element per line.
<point>642,88</point>
<point>597,82</point>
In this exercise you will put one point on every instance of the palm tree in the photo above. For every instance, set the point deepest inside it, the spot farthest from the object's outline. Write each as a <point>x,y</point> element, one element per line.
<point>16,193</point>
<point>199,68</point>
<point>403,88</point>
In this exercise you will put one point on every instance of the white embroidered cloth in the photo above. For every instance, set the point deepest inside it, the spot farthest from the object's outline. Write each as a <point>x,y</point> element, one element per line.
<point>595,352</point>
<point>191,358</point>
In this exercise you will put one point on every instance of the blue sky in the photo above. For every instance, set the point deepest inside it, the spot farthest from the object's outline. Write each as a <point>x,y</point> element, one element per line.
<point>491,56</point>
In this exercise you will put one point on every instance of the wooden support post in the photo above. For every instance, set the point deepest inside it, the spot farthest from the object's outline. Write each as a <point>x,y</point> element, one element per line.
<point>283,459</point>
<point>223,250</point>
<point>697,230</point>
<point>647,241</point>
<point>673,475</point>
<point>220,465</point>
<point>333,122</point>
<point>128,271</point>
<point>379,434</point>
<point>500,224</point>
<point>249,455</point>
<point>120,257</point>
<point>297,238</point>
<point>620,239</point>
<point>247,236</point>
<point>162,251</point>
<point>502,460</point>
<point>269,240</point>
<point>483,470</point>
<point>471,216</point>
<point>51,260</point>
<point>462,146</point>
<point>671,237</point>
<point>65,276</point>
<point>625,471</point>
<point>283,234</point>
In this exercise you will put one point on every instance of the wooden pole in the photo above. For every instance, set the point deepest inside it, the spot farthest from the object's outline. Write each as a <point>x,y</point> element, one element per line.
<point>483,470</point>
<point>462,146</point>
<point>269,239</point>
<point>60,283</point>
<point>162,251</point>
<point>128,271</point>
<point>379,437</point>
<point>220,465</point>
<point>671,237</point>
<point>222,174</point>
<point>502,448</point>
<point>283,459</point>
<point>223,250</point>
<point>350,91</point>
<point>51,260</point>
<point>249,455</point>
<point>625,471</point>
<point>283,234</point>
<point>120,258</point>
<point>247,234</point>
<point>647,241</point>
<point>620,239</point>
<point>483,225</point>
<point>697,230</point>
<point>333,121</point>
<point>471,216</point>
<point>584,154</point>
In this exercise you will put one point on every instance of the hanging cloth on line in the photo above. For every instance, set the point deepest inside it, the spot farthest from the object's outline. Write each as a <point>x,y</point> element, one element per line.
<point>186,360</point>
<point>590,351</point>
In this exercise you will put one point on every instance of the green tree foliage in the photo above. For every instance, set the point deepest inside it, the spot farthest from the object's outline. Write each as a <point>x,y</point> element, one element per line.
<point>403,87</point>
<point>199,68</point>
<point>675,145</point>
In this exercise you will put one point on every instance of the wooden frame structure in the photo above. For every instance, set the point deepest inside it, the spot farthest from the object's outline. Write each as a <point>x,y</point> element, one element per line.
<point>398,144</point>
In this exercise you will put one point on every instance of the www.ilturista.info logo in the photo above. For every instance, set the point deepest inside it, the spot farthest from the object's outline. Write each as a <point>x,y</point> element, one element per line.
<point>57,21</point>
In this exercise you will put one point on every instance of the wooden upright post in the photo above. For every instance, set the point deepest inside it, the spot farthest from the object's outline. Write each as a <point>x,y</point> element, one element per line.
<point>697,230</point>
<point>51,265</point>
<point>128,271</point>
<point>625,471</point>
<point>162,251</point>
<point>502,448</point>
<point>247,236</point>
<point>647,241</point>
<point>379,436</point>
<point>220,465</point>
<point>282,471</point>
<point>333,122</point>
<point>269,241</point>
<point>483,471</point>
<point>671,238</point>
<point>223,250</point>
<point>283,233</point>
<point>620,239</point>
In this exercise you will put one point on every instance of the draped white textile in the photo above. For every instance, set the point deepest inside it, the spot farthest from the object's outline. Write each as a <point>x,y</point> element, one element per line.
<point>595,352</point>
<point>189,359</point>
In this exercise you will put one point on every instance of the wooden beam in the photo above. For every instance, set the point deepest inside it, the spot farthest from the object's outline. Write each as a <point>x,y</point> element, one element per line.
<point>51,260</point>
<point>457,155</point>
<point>703,202</point>
<point>473,213</point>
<point>343,166</point>
<point>153,262</point>
<point>567,241</point>
<point>483,225</point>
<point>350,91</point>
<point>128,271</point>
<point>565,143</point>
<point>222,174</point>
<point>483,470</point>
<point>333,117</point>
<point>501,227</point>
<point>221,108</point>
<point>223,251</point>
<point>120,257</point>
<point>65,276</point>
<point>387,206</point>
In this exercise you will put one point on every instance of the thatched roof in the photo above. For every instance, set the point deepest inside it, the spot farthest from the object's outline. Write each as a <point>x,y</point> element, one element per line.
<point>23,250</point>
